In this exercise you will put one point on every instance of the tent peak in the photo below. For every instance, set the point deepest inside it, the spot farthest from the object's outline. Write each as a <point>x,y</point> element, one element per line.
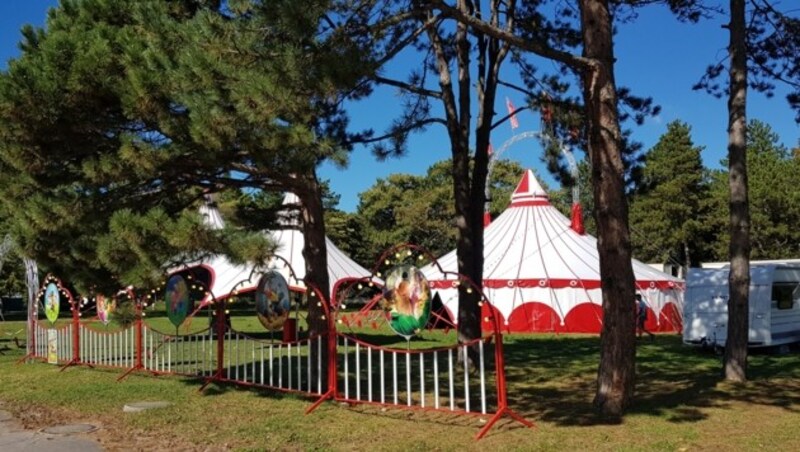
<point>210,213</point>
<point>529,192</point>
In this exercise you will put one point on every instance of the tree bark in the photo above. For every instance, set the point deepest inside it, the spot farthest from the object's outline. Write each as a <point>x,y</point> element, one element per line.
<point>469,247</point>
<point>315,252</point>
<point>739,278</point>
<point>615,377</point>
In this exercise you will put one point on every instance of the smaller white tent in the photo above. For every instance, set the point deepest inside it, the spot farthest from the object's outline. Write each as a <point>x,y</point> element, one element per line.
<point>540,274</point>
<point>225,276</point>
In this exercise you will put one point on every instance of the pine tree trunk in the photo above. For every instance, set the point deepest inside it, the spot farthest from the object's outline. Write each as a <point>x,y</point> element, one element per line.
<point>469,244</point>
<point>739,278</point>
<point>615,376</point>
<point>314,252</point>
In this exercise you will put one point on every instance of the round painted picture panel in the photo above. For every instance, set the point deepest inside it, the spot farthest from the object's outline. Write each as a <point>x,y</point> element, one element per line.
<point>407,299</point>
<point>272,300</point>
<point>52,302</point>
<point>105,307</point>
<point>177,299</point>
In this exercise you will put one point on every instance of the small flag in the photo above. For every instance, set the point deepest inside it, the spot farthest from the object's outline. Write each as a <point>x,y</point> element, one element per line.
<point>513,118</point>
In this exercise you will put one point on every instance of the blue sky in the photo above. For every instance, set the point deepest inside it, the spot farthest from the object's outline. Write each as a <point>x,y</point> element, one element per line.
<point>656,56</point>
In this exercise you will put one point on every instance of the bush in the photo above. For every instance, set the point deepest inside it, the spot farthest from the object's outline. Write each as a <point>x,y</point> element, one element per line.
<point>124,314</point>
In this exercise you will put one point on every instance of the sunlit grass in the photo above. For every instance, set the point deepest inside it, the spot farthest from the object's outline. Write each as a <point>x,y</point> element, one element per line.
<point>681,402</point>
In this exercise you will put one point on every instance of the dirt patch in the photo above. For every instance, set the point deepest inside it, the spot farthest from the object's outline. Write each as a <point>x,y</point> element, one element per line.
<point>112,433</point>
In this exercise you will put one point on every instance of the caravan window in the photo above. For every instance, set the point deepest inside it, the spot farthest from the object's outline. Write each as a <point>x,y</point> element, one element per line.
<point>784,294</point>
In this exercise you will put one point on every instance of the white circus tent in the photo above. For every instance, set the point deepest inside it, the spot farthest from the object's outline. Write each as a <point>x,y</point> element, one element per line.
<point>541,275</point>
<point>225,276</point>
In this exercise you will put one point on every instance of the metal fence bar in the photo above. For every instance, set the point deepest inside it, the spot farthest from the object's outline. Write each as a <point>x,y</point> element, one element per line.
<point>483,378</point>
<point>408,377</point>
<point>436,379</point>
<point>358,371</point>
<point>450,376</point>
<point>466,378</point>
<point>369,374</point>
<point>394,368</point>
<point>346,371</point>
<point>289,364</point>
<point>422,379</point>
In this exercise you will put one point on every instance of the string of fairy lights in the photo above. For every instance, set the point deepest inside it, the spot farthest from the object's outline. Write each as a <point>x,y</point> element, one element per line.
<point>405,254</point>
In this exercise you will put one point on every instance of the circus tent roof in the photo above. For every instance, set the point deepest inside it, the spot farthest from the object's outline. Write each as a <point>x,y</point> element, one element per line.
<point>227,276</point>
<point>531,252</point>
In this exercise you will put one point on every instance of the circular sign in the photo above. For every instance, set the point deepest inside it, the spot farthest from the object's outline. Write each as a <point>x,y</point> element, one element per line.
<point>272,300</point>
<point>52,302</point>
<point>407,299</point>
<point>104,308</point>
<point>177,300</point>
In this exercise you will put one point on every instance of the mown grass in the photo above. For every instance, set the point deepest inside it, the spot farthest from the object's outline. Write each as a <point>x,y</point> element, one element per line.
<point>681,404</point>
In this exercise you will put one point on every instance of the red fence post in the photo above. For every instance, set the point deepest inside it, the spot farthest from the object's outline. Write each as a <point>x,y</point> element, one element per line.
<point>76,332</point>
<point>220,328</point>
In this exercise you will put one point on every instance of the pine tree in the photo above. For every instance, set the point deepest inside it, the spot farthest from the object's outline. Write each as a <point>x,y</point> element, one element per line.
<point>120,115</point>
<point>667,210</point>
<point>774,197</point>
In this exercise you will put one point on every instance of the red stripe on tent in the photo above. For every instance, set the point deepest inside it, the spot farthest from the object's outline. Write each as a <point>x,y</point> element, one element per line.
<point>552,284</point>
<point>540,202</point>
<point>522,187</point>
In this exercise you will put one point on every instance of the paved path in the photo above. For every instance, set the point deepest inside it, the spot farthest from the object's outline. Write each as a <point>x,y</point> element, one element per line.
<point>14,438</point>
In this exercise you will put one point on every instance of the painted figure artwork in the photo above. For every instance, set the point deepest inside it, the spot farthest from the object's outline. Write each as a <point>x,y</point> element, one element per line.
<point>177,300</point>
<point>104,308</point>
<point>52,346</point>
<point>272,301</point>
<point>407,300</point>
<point>52,301</point>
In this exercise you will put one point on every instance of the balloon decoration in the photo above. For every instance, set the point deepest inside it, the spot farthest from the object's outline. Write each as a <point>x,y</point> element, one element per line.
<point>52,302</point>
<point>177,300</point>
<point>407,300</point>
<point>104,308</point>
<point>272,300</point>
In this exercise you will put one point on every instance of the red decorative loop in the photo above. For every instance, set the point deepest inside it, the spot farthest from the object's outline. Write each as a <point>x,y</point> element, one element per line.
<point>652,284</point>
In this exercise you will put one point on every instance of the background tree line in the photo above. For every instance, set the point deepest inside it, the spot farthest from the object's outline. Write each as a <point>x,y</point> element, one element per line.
<point>678,206</point>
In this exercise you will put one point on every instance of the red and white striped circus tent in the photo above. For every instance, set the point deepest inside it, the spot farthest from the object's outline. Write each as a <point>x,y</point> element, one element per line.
<point>224,276</point>
<point>541,275</point>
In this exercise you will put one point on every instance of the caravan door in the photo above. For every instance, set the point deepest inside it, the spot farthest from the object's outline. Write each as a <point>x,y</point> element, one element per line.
<point>760,306</point>
<point>705,311</point>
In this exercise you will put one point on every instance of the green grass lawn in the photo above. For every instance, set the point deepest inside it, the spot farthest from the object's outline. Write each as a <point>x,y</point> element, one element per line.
<point>681,404</point>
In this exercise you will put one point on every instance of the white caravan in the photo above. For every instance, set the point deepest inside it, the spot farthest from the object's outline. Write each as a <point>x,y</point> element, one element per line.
<point>774,306</point>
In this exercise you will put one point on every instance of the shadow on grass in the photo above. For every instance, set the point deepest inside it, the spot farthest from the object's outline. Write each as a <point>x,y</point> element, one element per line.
<point>553,379</point>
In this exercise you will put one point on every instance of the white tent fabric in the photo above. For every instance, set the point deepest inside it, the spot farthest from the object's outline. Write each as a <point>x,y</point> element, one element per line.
<point>227,276</point>
<point>541,275</point>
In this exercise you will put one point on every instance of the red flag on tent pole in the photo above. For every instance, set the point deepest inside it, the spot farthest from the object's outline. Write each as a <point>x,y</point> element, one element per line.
<point>577,219</point>
<point>513,118</point>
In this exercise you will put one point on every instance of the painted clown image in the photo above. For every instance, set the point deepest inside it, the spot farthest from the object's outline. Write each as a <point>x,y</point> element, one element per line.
<point>272,301</point>
<point>177,299</point>
<point>407,300</point>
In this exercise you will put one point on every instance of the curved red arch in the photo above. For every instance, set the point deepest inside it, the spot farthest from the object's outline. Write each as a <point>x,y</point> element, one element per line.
<point>534,317</point>
<point>584,318</point>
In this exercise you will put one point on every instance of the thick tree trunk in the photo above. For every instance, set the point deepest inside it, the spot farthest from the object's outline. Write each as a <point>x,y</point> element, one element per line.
<point>615,376</point>
<point>739,278</point>
<point>315,252</point>
<point>469,249</point>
